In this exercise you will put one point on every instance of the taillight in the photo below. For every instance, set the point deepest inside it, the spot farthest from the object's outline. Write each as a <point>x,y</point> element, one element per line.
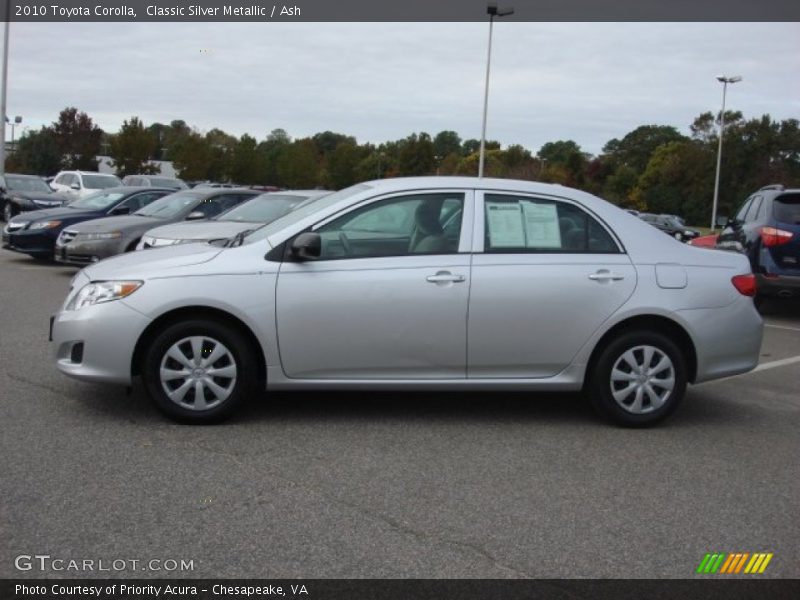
<point>774,237</point>
<point>745,284</point>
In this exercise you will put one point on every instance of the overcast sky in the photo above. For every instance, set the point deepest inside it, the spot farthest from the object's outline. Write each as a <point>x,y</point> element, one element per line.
<point>589,82</point>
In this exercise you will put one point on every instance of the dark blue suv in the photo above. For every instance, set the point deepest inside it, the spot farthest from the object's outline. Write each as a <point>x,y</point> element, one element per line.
<point>767,229</point>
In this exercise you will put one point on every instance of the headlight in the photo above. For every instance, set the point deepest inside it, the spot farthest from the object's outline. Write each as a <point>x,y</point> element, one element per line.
<point>688,233</point>
<point>100,236</point>
<point>102,291</point>
<point>45,224</point>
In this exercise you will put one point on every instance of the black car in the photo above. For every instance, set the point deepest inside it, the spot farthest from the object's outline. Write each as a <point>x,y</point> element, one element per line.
<point>20,193</point>
<point>35,233</point>
<point>766,228</point>
<point>670,225</point>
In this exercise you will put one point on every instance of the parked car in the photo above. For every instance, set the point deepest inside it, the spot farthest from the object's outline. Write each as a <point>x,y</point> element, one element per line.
<point>155,181</point>
<point>35,233</point>
<point>21,193</point>
<point>670,225</point>
<point>436,283</point>
<point>79,184</point>
<point>766,229</point>
<point>705,241</point>
<point>249,215</point>
<point>90,242</point>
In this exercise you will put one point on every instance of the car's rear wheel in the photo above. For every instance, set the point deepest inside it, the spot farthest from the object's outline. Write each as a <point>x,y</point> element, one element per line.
<point>199,371</point>
<point>639,379</point>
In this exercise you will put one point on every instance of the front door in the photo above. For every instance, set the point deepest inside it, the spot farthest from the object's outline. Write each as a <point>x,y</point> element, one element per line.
<point>387,299</point>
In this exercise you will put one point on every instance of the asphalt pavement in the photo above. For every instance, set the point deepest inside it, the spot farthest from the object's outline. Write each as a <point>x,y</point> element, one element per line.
<point>323,485</point>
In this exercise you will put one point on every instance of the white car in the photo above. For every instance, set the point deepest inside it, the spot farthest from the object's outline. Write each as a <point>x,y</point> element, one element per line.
<point>79,184</point>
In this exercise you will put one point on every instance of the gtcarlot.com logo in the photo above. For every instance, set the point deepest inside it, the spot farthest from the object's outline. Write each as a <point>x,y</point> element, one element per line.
<point>734,563</point>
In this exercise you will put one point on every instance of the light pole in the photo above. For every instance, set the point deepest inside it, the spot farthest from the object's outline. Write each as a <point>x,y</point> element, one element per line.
<point>17,120</point>
<point>493,12</point>
<point>3,87</point>
<point>725,81</point>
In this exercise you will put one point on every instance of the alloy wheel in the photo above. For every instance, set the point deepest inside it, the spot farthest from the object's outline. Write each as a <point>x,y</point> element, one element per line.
<point>642,379</point>
<point>198,373</point>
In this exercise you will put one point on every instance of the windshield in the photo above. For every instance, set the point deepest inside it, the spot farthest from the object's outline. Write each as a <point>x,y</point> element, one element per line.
<point>169,206</point>
<point>265,208</point>
<point>787,209</point>
<point>97,201</point>
<point>304,211</point>
<point>27,184</point>
<point>100,182</point>
<point>673,222</point>
<point>167,182</point>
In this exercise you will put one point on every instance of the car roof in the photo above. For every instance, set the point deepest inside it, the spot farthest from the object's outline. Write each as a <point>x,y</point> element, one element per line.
<point>217,191</point>
<point>22,175</point>
<point>130,189</point>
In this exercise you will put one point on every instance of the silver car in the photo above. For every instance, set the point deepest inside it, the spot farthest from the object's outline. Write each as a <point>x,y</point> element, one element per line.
<point>247,216</point>
<point>432,283</point>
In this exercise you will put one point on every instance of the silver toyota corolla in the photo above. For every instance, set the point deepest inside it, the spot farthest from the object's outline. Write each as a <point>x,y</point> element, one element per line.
<point>419,283</point>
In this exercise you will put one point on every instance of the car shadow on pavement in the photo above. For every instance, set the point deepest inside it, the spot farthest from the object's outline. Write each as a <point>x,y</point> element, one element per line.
<point>780,307</point>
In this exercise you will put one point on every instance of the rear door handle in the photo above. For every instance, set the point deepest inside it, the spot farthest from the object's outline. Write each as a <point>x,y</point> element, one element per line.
<point>605,275</point>
<point>445,277</point>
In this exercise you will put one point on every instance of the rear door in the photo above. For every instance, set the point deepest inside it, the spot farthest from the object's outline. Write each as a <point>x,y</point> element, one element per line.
<point>545,275</point>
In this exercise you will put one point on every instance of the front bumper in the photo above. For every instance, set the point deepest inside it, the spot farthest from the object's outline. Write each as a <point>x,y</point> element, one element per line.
<point>38,242</point>
<point>78,252</point>
<point>107,334</point>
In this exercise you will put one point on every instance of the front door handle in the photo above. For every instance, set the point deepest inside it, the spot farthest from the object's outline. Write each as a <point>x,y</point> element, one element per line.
<point>445,277</point>
<point>606,275</point>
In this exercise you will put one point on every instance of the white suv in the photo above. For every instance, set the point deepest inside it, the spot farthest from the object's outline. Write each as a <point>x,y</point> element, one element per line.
<point>79,184</point>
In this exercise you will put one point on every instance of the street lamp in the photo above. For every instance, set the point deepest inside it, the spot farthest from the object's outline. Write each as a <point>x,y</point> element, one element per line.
<point>725,81</point>
<point>17,120</point>
<point>3,87</point>
<point>492,11</point>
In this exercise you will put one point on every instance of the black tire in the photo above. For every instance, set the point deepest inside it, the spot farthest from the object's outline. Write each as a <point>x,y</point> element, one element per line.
<point>244,385</point>
<point>8,212</point>
<point>600,380</point>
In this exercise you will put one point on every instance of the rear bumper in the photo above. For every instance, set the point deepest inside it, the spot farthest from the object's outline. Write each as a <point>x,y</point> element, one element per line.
<point>778,285</point>
<point>727,340</point>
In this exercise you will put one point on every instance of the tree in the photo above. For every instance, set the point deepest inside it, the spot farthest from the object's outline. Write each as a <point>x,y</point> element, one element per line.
<point>246,165</point>
<point>446,142</point>
<point>36,153</point>
<point>297,165</point>
<point>416,155</point>
<point>636,148</point>
<point>191,156</point>
<point>78,139</point>
<point>132,149</point>
<point>342,164</point>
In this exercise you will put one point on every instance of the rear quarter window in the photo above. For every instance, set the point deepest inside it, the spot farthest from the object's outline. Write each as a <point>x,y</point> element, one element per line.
<point>786,209</point>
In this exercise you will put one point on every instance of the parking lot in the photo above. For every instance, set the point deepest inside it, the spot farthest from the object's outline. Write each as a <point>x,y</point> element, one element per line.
<point>391,485</point>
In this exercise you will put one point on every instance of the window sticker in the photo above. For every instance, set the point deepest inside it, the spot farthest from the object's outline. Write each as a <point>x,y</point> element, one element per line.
<point>504,220</point>
<point>541,225</point>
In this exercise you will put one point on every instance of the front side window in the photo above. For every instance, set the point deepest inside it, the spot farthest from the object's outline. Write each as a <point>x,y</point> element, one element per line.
<point>25,184</point>
<point>406,225</point>
<point>100,182</point>
<point>169,206</point>
<point>755,210</point>
<point>515,224</point>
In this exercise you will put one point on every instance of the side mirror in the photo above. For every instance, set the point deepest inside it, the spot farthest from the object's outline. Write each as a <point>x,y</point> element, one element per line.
<point>307,246</point>
<point>121,210</point>
<point>75,186</point>
<point>722,221</point>
<point>195,216</point>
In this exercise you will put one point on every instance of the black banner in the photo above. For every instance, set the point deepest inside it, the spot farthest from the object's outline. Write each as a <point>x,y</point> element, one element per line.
<point>707,588</point>
<point>400,10</point>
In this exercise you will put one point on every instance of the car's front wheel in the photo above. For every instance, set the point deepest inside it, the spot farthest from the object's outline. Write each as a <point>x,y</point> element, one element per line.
<point>679,236</point>
<point>8,212</point>
<point>199,371</point>
<point>639,378</point>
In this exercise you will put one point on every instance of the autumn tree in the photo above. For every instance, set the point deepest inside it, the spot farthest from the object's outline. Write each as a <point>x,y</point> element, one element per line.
<point>78,139</point>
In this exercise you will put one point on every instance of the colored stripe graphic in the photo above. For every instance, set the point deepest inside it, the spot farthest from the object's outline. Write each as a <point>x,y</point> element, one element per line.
<point>723,563</point>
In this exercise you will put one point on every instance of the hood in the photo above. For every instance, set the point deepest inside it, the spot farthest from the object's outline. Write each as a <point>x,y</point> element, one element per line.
<point>146,264</point>
<point>201,230</point>
<point>124,223</point>
<point>61,212</point>
<point>40,198</point>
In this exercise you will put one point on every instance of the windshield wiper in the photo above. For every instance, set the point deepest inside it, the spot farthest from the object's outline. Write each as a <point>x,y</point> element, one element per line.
<point>238,239</point>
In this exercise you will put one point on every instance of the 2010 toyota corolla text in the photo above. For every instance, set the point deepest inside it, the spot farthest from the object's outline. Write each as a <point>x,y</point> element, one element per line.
<point>419,283</point>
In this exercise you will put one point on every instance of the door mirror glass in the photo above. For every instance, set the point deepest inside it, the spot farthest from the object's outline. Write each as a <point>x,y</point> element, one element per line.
<point>75,186</point>
<point>722,221</point>
<point>307,246</point>
<point>121,210</point>
<point>196,215</point>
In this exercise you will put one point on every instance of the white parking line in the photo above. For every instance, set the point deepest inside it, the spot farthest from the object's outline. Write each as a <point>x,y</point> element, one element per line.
<point>781,327</point>
<point>776,363</point>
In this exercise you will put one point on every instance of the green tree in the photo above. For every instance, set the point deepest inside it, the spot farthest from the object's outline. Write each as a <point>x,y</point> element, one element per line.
<point>342,164</point>
<point>191,156</point>
<point>297,166</point>
<point>132,149</point>
<point>246,164</point>
<point>416,155</point>
<point>78,139</point>
<point>636,148</point>
<point>36,153</point>
<point>445,143</point>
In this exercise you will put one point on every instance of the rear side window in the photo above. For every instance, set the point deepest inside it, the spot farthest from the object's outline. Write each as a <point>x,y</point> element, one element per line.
<point>743,211</point>
<point>786,209</point>
<point>517,224</point>
<point>755,209</point>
